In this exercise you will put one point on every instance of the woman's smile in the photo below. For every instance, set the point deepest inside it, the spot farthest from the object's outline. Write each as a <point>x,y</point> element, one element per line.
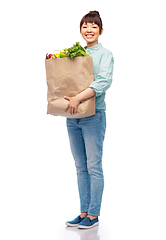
<point>89,35</point>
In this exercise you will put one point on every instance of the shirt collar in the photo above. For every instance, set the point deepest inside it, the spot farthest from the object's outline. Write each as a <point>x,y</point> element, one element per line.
<point>94,48</point>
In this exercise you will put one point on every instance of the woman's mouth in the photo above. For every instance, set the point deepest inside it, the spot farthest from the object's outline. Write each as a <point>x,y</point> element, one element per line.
<point>89,35</point>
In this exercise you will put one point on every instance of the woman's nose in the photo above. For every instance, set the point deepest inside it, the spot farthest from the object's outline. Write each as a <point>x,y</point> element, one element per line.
<point>89,29</point>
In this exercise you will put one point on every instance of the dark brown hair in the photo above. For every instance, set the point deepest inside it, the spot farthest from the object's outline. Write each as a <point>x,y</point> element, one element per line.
<point>92,17</point>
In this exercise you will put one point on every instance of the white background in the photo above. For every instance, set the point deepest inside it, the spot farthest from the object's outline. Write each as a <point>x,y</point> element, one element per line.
<point>37,174</point>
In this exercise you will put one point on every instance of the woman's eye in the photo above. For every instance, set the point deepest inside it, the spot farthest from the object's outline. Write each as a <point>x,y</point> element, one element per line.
<point>84,27</point>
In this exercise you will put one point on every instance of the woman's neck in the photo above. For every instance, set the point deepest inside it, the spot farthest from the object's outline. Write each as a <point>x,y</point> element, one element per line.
<point>91,44</point>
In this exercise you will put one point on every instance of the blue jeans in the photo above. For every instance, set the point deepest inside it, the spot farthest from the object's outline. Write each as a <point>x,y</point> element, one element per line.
<point>86,137</point>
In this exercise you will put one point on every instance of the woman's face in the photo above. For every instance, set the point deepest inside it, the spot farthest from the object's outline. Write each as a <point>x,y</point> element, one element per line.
<point>90,32</point>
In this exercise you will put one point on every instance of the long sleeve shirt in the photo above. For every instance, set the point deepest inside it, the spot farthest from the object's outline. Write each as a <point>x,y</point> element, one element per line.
<point>103,62</point>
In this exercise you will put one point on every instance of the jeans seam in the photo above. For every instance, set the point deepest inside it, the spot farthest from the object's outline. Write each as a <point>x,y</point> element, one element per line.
<point>87,175</point>
<point>87,193</point>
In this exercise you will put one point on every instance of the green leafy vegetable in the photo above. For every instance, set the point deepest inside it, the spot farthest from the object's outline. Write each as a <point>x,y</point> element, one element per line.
<point>76,50</point>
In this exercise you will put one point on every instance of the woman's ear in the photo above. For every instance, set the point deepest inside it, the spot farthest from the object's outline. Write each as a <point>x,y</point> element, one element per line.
<point>101,31</point>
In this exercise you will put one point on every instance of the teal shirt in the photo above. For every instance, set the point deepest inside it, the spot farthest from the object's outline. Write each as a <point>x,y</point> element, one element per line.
<point>103,62</point>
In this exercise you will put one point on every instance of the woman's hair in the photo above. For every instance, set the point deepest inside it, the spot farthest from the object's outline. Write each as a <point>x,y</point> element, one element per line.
<point>92,17</point>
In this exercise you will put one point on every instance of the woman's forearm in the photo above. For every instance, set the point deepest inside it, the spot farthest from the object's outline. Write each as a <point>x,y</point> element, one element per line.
<point>87,93</point>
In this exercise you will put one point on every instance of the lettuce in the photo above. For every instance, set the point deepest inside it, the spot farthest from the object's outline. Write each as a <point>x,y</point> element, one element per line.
<point>77,50</point>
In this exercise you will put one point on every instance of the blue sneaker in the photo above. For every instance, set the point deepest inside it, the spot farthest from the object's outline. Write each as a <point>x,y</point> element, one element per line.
<point>87,223</point>
<point>75,222</point>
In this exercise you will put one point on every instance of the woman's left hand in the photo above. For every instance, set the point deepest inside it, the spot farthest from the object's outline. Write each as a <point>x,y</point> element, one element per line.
<point>72,105</point>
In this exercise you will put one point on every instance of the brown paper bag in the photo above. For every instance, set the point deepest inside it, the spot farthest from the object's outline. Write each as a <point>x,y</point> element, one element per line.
<point>66,77</point>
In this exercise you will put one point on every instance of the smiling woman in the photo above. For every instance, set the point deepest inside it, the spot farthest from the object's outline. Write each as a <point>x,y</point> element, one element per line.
<point>90,32</point>
<point>86,135</point>
<point>92,17</point>
<point>91,28</point>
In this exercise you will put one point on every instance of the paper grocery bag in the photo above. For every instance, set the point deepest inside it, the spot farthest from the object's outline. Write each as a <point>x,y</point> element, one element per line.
<point>68,77</point>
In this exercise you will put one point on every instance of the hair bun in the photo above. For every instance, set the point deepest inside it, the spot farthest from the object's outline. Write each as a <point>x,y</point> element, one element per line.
<point>95,12</point>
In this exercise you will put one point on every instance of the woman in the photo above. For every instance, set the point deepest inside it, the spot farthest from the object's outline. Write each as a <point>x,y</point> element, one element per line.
<point>86,135</point>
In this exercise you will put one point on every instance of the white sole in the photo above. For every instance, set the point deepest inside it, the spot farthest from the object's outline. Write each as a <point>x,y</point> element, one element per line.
<point>87,227</point>
<point>71,225</point>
